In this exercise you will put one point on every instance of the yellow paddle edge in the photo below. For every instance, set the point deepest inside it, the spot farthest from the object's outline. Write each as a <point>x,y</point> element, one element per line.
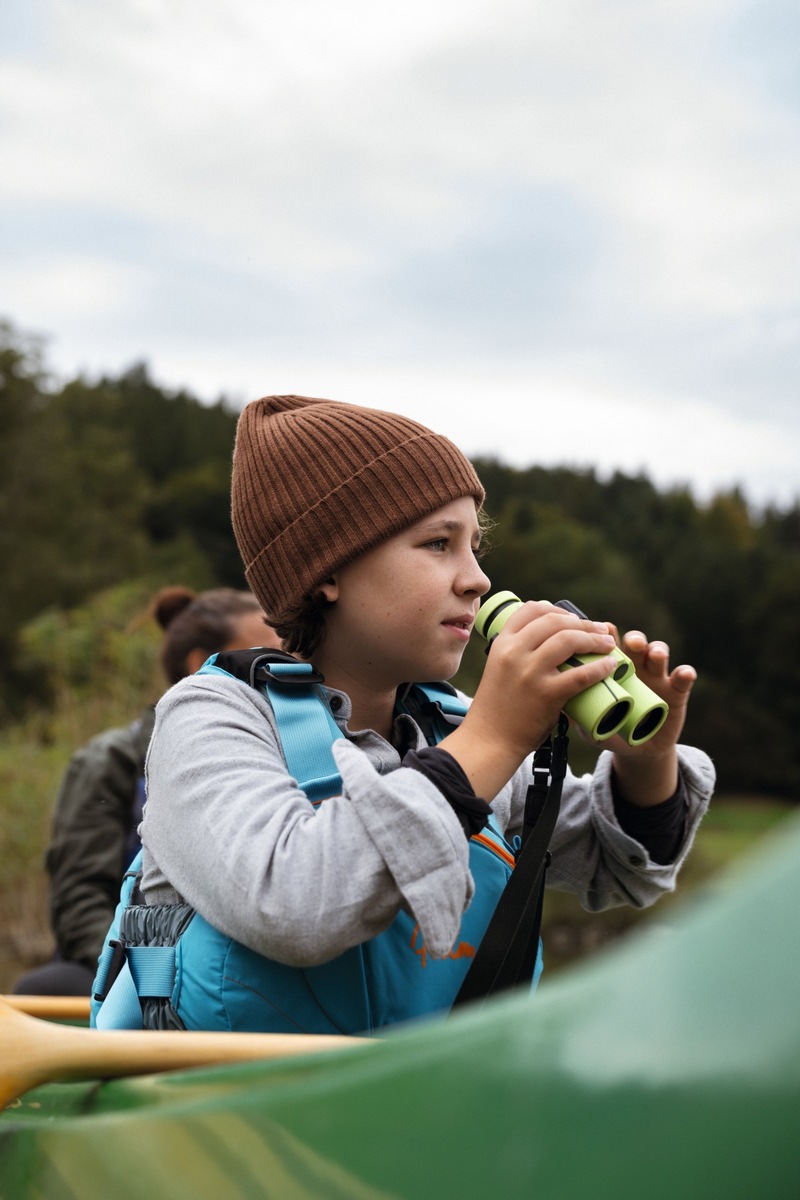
<point>51,1008</point>
<point>35,1051</point>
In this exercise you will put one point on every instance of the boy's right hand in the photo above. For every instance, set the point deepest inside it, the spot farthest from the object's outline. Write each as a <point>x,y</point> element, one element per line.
<point>522,690</point>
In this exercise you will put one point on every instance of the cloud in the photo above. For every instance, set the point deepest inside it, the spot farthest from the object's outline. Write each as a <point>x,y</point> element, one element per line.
<point>591,197</point>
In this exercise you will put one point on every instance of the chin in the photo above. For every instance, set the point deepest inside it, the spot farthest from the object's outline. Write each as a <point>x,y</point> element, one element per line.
<point>445,669</point>
<point>432,667</point>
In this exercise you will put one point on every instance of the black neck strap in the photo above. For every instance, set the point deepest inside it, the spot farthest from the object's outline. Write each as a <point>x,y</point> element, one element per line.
<point>508,950</point>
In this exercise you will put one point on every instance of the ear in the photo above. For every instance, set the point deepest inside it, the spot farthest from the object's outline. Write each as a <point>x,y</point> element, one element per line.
<point>330,589</point>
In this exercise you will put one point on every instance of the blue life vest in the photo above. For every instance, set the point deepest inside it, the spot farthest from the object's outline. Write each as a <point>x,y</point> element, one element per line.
<point>166,965</point>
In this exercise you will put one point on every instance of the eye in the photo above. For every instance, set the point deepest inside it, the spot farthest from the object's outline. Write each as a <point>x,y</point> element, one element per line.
<point>438,544</point>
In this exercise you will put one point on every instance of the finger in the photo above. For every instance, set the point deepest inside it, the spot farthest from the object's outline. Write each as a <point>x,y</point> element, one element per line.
<point>567,645</point>
<point>527,613</point>
<point>537,621</point>
<point>650,656</point>
<point>551,638</point>
<point>683,679</point>
<point>657,657</point>
<point>577,679</point>
<point>534,657</point>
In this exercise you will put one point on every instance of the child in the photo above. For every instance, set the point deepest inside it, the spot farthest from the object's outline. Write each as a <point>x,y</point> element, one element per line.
<point>360,534</point>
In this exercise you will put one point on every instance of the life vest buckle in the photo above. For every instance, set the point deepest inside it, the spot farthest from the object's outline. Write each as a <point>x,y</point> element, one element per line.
<point>260,667</point>
<point>116,961</point>
<point>285,674</point>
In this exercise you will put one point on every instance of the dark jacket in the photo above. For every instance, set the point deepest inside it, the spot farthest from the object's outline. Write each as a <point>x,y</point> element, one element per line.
<point>93,824</point>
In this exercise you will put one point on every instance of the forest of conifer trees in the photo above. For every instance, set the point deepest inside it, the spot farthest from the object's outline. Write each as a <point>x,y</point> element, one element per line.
<point>118,479</point>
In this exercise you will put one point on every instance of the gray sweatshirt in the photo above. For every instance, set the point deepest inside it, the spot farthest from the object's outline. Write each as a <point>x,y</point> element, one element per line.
<point>229,831</point>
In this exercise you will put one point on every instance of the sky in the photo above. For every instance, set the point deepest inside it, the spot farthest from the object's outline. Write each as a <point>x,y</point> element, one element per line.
<point>557,232</point>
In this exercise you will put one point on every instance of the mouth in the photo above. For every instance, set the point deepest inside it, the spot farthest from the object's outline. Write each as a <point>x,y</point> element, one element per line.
<point>460,625</point>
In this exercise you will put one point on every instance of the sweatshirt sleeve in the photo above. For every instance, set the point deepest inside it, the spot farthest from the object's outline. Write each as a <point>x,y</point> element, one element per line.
<point>227,829</point>
<point>596,859</point>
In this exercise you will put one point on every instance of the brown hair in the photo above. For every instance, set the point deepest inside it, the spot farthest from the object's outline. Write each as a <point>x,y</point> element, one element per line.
<point>192,620</point>
<point>303,627</point>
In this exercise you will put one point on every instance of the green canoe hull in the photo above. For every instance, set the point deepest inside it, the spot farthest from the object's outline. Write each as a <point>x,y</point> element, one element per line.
<point>667,1068</point>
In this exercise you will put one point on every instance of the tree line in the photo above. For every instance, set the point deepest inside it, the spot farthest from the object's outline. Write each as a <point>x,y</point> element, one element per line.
<point>119,479</point>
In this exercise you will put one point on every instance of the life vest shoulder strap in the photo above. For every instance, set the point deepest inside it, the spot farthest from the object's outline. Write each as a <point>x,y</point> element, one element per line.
<point>306,725</point>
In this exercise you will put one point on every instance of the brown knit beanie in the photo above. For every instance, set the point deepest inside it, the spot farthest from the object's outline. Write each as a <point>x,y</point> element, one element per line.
<point>318,482</point>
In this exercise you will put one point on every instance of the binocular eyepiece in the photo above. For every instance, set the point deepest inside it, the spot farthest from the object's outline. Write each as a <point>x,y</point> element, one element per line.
<point>619,704</point>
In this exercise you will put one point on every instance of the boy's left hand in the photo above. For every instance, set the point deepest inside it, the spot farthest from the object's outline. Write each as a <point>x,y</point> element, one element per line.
<point>648,773</point>
<point>651,661</point>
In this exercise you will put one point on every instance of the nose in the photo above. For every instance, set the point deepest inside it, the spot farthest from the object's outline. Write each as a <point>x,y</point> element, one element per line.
<point>473,581</point>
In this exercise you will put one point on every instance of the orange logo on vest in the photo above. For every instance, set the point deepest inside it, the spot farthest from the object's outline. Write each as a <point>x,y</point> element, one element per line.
<point>462,950</point>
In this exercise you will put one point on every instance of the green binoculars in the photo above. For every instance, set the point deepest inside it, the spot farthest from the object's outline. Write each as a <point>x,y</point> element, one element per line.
<point>620,704</point>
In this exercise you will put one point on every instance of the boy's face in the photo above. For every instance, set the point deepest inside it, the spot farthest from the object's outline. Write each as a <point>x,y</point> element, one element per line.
<point>404,611</point>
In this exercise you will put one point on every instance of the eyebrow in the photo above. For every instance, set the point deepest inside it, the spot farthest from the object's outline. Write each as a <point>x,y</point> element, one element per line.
<point>446,525</point>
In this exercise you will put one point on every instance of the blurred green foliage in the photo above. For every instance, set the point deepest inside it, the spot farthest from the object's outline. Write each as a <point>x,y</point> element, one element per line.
<point>100,663</point>
<point>117,481</point>
<point>719,582</point>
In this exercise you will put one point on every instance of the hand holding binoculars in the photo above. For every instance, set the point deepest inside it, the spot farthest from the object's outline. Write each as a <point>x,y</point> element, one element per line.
<point>620,704</point>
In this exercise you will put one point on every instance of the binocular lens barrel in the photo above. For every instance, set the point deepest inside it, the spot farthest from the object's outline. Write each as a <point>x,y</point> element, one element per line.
<point>494,612</point>
<point>648,714</point>
<point>612,720</point>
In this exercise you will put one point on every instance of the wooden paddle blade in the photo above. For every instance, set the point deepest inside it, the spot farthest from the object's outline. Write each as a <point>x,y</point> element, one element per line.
<point>51,1008</point>
<point>33,1052</point>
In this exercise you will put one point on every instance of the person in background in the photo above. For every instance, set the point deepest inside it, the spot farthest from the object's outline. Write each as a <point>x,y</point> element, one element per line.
<point>100,802</point>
